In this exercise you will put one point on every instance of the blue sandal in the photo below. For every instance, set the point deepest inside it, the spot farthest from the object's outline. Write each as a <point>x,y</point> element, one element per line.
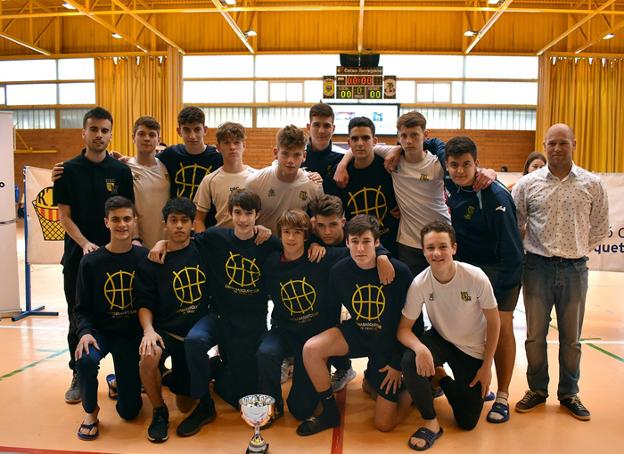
<point>501,409</point>
<point>427,435</point>
<point>89,428</point>
<point>111,381</point>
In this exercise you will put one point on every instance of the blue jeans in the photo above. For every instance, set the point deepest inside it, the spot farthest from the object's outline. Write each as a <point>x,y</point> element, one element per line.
<point>562,284</point>
<point>126,361</point>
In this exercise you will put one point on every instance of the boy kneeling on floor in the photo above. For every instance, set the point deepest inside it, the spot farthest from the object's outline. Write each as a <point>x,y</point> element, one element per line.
<point>464,333</point>
<point>106,317</point>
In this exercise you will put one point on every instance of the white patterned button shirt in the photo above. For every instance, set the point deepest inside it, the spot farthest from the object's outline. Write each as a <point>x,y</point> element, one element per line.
<point>561,218</point>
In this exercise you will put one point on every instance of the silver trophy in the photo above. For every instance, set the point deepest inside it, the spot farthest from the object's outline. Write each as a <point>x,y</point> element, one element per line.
<point>256,410</point>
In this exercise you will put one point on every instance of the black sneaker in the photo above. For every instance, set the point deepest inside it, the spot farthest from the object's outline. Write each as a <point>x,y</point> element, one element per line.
<point>315,425</point>
<point>530,400</point>
<point>158,430</point>
<point>72,395</point>
<point>576,407</point>
<point>203,414</point>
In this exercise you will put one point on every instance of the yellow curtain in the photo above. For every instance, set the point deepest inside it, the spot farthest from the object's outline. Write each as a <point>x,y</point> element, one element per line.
<point>130,87</point>
<point>588,95</point>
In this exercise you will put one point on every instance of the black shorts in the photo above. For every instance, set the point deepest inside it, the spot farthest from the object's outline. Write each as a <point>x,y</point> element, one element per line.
<point>505,299</point>
<point>360,347</point>
<point>180,381</point>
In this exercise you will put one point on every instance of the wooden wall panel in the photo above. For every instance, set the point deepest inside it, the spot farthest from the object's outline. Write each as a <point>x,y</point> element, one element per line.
<point>496,148</point>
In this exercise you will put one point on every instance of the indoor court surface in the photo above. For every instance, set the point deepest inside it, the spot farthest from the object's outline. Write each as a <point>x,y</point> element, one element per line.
<point>34,417</point>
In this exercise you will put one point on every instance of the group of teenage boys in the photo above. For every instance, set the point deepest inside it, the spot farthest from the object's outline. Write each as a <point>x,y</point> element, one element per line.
<point>210,219</point>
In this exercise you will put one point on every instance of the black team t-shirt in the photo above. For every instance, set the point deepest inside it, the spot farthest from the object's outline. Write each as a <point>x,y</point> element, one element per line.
<point>187,170</point>
<point>370,191</point>
<point>299,290</point>
<point>105,293</point>
<point>375,308</point>
<point>85,186</point>
<point>176,292</point>
<point>236,276</point>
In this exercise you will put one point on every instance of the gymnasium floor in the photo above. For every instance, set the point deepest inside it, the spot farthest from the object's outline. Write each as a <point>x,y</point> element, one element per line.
<point>34,417</point>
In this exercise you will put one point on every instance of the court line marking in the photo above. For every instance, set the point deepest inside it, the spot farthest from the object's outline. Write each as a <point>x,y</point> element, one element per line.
<point>33,364</point>
<point>338,432</point>
<point>11,449</point>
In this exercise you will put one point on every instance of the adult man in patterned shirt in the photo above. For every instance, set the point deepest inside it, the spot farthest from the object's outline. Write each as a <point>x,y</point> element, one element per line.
<point>564,214</point>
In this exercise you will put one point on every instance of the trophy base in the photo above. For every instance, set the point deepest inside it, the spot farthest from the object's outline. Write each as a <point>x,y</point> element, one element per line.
<point>258,449</point>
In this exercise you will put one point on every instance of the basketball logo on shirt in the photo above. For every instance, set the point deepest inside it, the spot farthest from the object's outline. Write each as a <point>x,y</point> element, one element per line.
<point>187,285</point>
<point>188,178</point>
<point>242,271</point>
<point>368,302</point>
<point>465,296</point>
<point>370,201</point>
<point>303,195</point>
<point>469,213</point>
<point>119,290</point>
<point>298,297</point>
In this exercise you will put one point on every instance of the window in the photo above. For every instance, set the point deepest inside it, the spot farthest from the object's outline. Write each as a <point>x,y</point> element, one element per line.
<point>422,65</point>
<point>27,70</point>
<point>80,93</point>
<point>516,119</point>
<point>438,118</point>
<point>216,116</point>
<point>76,68</point>
<point>285,92</point>
<point>72,118</point>
<point>31,94</point>
<point>2,96</point>
<point>492,67</point>
<point>34,119</point>
<point>218,66</point>
<point>225,92</point>
<point>436,92</point>
<point>296,65</point>
<point>276,117</point>
<point>500,93</point>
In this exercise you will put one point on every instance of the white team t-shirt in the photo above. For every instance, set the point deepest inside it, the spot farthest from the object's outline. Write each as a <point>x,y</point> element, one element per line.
<point>151,192</point>
<point>419,191</point>
<point>278,196</point>
<point>215,189</point>
<point>455,308</point>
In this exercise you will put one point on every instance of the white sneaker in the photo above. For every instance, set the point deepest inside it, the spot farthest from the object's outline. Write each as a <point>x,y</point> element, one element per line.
<point>287,369</point>
<point>340,378</point>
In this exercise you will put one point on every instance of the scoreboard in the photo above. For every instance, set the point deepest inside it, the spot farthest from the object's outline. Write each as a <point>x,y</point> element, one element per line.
<point>359,83</point>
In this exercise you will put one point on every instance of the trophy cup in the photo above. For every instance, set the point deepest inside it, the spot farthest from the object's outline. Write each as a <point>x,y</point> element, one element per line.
<point>256,410</point>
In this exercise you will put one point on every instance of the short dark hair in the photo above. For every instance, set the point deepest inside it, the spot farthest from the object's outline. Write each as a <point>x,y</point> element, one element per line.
<point>321,110</point>
<point>190,115</point>
<point>361,224</point>
<point>364,122</point>
<point>291,137</point>
<point>244,198</point>
<point>115,202</point>
<point>230,130</point>
<point>532,157</point>
<point>179,205</point>
<point>438,227</point>
<point>326,205</point>
<point>460,145</point>
<point>411,120</point>
<point>148,122</point>
<point>294,219</point>
<point>97,113</point>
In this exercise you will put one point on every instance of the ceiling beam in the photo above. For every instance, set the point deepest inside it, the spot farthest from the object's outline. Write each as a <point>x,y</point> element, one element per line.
<point>42,32</point>
<point>25,44</point>
<point>105,24</point>
<point>489,24</point>
<point>147,25</point>
<point>576,26</point>
<point>360,30</point>
<point>317,8</point>
<point>598,38</point>
<point>232,23</point>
